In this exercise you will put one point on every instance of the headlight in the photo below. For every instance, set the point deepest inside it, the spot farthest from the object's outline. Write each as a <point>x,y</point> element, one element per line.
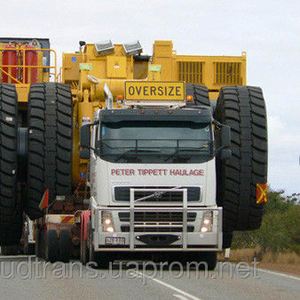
<point>109,229</point>
<point>107,222</point>
<point>207,222</point>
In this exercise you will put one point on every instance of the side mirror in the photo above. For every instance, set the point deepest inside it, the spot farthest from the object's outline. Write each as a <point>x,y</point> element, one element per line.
<point>225,154</point>
<point>225,136</point>
<point>84,153</point>
<point>85,135</point>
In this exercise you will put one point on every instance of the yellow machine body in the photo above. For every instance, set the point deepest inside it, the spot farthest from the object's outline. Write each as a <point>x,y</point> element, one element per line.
<point>88,71</point>
<point>166,65</point>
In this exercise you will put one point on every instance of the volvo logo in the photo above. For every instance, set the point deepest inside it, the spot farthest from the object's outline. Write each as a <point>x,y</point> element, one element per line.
<point>158,195</point>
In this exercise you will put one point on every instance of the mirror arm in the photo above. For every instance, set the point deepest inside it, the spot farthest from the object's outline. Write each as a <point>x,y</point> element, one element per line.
<point>219,127</point>
<point>217,123</point>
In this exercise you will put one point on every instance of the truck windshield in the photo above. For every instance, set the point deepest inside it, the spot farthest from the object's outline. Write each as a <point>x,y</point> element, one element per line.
<point>155,142</point>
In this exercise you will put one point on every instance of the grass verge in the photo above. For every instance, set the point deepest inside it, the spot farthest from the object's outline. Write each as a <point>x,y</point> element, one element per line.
<point>282,262</point>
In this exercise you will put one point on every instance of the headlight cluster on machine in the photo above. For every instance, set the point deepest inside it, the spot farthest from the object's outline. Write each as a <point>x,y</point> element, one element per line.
<point>207,222</point>
<point>107,222</point>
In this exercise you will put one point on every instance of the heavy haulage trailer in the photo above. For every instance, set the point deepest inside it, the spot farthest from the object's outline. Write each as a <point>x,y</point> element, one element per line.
<point>131,154</point>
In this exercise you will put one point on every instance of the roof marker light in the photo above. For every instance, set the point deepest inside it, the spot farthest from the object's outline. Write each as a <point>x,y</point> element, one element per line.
<point>189,98</point>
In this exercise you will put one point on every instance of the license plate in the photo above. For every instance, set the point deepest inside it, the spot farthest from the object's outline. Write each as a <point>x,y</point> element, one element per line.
<point>154,90</point>
<point>114,241</point>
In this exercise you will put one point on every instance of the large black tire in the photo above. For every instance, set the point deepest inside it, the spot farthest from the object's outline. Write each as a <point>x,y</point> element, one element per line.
<point>49,144</point>
<point>29,249</point>
<point>39,242</point>
<point>64,246</point>
<point>51,246</point>
<point>11,215</point>
<point>200,94</point>
<point>243,109</point>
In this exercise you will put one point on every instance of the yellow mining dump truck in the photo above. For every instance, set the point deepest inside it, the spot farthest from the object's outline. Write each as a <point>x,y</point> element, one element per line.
<point>132,153</point>
<point>23,61</point>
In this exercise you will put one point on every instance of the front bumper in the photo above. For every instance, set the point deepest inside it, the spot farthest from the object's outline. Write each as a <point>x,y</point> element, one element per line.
<point>137,240</point>
<point>162,234</point>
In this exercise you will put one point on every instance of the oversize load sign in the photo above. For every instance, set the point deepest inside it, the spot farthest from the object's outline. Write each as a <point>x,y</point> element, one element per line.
<point>154,90</point>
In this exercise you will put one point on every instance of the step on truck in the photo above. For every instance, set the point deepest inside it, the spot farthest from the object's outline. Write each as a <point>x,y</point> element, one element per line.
<point>131,155</point>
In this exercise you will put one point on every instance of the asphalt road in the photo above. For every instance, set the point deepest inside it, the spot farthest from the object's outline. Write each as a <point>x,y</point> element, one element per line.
<point>24,278</point>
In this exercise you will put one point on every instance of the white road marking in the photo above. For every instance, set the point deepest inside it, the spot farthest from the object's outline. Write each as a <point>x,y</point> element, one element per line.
<point>274,273</point>
<point>181,292</point>
<point>180,297</point>
<point>278,274</point>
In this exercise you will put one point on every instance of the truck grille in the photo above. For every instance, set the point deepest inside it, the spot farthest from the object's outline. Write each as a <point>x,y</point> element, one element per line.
<point>157,221</point>
<point>126,228</point>
<point>122,193</point>
<point>157,216</point>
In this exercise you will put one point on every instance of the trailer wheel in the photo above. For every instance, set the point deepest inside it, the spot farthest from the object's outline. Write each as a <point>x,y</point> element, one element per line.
<point>39,243</point>
<point>64,246</point>
<point>51,246</point>
<point>243,109</point>
<point>200,94</point>
<point>11,215</point>
<point>49,144</point>
<point>29,249</point>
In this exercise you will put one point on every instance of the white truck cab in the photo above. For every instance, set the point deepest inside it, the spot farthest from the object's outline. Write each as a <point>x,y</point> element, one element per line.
<point>153,180</point>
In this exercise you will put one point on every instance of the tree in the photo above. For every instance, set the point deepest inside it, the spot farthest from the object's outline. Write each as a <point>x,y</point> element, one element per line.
<point>280,229</point>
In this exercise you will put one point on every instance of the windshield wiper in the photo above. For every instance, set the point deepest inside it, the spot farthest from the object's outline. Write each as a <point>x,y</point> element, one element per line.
<point>186,149</point>
<point>136,151</point>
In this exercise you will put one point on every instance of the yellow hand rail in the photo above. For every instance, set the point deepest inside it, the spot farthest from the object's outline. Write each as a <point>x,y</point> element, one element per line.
<point>1,70</point>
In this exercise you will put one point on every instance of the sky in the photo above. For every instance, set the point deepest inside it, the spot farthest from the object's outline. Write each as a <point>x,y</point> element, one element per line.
<point>269,30</point>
